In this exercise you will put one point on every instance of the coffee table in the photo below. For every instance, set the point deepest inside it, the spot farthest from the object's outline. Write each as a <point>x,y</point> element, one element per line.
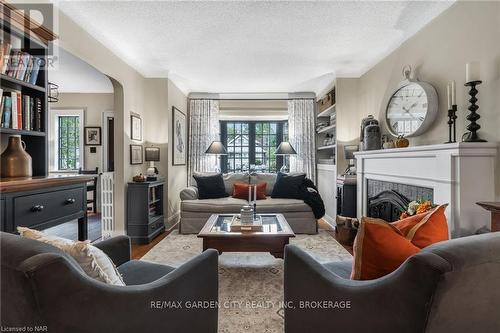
<point>275,235</point>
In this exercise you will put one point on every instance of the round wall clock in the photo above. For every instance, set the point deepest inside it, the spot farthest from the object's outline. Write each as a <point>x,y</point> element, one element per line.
<point>412,108</point>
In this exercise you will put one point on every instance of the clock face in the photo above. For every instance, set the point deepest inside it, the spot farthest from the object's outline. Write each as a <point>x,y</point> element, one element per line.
<point>407,109</point>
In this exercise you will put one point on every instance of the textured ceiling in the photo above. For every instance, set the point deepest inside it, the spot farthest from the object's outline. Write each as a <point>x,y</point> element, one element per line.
<point>254,46</point>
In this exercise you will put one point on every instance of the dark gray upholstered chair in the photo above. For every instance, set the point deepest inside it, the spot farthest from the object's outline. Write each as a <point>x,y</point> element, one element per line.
<point>40,285</point>
<point>452,286</point>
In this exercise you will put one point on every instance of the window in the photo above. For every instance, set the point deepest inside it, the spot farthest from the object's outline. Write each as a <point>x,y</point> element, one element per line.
<point>252,144</point>
<point>68,147</point>
<point>66,139</point>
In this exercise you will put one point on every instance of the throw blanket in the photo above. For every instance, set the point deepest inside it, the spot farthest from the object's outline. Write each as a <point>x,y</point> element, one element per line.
<point>309,193</point>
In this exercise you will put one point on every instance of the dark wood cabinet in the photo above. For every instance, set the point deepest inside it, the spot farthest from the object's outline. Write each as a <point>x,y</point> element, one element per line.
<point>346,196</point>
<point>43,202</point>
<point>145,211</point>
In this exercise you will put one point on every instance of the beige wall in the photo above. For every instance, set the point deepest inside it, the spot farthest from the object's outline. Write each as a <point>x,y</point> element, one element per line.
<point>468,31</point>
<point>178,174</point>
<point>129,96</point>
<point>94,105</point>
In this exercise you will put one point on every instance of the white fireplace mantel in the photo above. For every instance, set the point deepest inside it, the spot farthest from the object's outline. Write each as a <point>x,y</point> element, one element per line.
<point>460,174</point>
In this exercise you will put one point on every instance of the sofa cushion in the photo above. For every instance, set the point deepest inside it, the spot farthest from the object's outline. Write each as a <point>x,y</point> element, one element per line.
<point>340,268</point>
<point>94,262</point>
<point>228,178</point>
<point>379,249</point>
<point>269,178</point>
<point>232,205</point>
<point>279,205</point>
<point>288,185</point>
<point>426,228</point>
<point>240,191</point>
<point>228,205</point>
<point>210,187</point>
<point>231,178</point>
<point>136,272</point>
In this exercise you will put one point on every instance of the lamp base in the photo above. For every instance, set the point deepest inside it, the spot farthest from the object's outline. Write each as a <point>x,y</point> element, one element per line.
<point>284,169</point>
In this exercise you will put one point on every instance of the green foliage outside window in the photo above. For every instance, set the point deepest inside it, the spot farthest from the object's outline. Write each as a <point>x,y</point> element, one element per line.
<point>69,142</point>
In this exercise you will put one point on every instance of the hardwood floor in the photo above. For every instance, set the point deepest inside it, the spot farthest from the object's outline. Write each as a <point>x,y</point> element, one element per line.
<point>322,224</point>
<point>69,230</point>
<point>138,251</point>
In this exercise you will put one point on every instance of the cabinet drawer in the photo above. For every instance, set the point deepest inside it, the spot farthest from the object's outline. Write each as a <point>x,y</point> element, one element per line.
<point>38,208</point>
<point>145,230</point>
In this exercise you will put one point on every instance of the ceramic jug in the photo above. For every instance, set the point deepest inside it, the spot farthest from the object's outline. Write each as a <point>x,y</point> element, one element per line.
<point>15,161</point>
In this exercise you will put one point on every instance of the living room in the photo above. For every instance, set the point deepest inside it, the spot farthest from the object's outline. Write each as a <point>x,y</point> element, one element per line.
<point>340,161</point>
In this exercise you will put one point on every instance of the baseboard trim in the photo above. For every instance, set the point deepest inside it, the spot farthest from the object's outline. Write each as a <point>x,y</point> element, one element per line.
<point>330,220</point>
<point>175,216</point>
<point>173,221</point>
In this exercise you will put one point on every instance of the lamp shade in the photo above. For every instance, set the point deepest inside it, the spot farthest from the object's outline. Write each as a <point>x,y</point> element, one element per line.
<point>285,148</point>
<point>216,148</point>
<point>152,154</point>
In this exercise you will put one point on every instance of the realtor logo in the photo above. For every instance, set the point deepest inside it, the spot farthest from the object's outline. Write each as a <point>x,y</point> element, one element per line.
<point>42,22</point>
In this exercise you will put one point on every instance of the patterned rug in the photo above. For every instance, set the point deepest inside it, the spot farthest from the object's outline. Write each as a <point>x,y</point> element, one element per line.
<point>250,284</point>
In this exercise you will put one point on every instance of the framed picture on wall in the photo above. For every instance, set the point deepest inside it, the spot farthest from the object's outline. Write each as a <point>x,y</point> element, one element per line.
<point>135,127</point>
<point>136,154</point>
<point>92,136</point>
<point>179,137</point>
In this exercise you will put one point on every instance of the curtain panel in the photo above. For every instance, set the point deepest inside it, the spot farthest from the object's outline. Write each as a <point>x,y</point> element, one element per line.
<point>302,136</point>
<point>203,129</point>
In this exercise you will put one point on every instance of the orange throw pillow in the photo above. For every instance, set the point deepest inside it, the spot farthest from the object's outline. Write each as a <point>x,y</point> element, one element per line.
<point>426,228</point>
<point>240,190</point>
<point>381,247</point>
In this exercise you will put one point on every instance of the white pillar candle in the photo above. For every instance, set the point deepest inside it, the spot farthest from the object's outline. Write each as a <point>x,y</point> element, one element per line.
<point>472,72</point>
<point>249,194</point>
<point>448,90</point>
<point>453,93</point>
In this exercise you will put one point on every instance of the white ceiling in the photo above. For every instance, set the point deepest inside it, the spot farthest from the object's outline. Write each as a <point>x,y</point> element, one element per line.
<point>252,46</point>
<point>74,75</point>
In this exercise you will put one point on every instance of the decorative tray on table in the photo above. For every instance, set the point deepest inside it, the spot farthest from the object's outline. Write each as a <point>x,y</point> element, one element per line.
<point>238,226</point>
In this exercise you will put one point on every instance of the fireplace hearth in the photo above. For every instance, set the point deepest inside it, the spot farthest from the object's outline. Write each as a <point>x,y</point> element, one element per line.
<point>387,200</point>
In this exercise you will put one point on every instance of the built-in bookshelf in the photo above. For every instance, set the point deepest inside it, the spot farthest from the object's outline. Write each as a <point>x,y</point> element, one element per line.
<point>23,84</point>
<point>326,127</point>
<point>326,152</point>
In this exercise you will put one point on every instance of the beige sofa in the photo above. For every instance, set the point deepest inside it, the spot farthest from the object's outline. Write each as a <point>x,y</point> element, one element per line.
<point>195,212</point>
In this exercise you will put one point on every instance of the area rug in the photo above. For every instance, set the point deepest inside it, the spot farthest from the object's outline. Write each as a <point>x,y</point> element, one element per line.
<point>250,284</point>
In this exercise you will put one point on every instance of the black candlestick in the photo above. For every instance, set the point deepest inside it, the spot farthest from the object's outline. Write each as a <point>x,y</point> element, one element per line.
<point>450,123</point>
<point>473,116</point>
<point>255,210</point>
<point>454,118</point>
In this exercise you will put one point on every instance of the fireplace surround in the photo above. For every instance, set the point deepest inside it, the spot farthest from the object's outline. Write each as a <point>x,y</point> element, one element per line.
<point>459,174</point>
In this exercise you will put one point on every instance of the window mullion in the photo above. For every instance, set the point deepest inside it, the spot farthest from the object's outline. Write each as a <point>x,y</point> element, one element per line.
<point>251,143</point>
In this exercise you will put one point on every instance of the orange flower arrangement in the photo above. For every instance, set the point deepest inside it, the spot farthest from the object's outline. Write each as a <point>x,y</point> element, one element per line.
<point>417,207</point>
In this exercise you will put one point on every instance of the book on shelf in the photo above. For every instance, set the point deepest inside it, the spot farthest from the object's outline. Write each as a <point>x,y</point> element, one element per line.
<point>19,64</point>
<point>22,112</point>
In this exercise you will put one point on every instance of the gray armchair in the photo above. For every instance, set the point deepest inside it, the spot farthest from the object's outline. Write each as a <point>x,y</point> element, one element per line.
<point>40,285</point>
<point>448,287</point>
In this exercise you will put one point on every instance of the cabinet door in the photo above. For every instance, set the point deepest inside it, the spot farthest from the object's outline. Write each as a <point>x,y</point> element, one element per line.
<point>327,187</point>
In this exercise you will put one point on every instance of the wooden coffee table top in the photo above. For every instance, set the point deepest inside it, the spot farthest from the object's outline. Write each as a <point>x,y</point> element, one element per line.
<point>219,225</point>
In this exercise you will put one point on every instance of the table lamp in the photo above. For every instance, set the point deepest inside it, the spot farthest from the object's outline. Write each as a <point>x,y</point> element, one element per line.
<point>152,155</point>
<point>285,148</point>
<point>216,148</point>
